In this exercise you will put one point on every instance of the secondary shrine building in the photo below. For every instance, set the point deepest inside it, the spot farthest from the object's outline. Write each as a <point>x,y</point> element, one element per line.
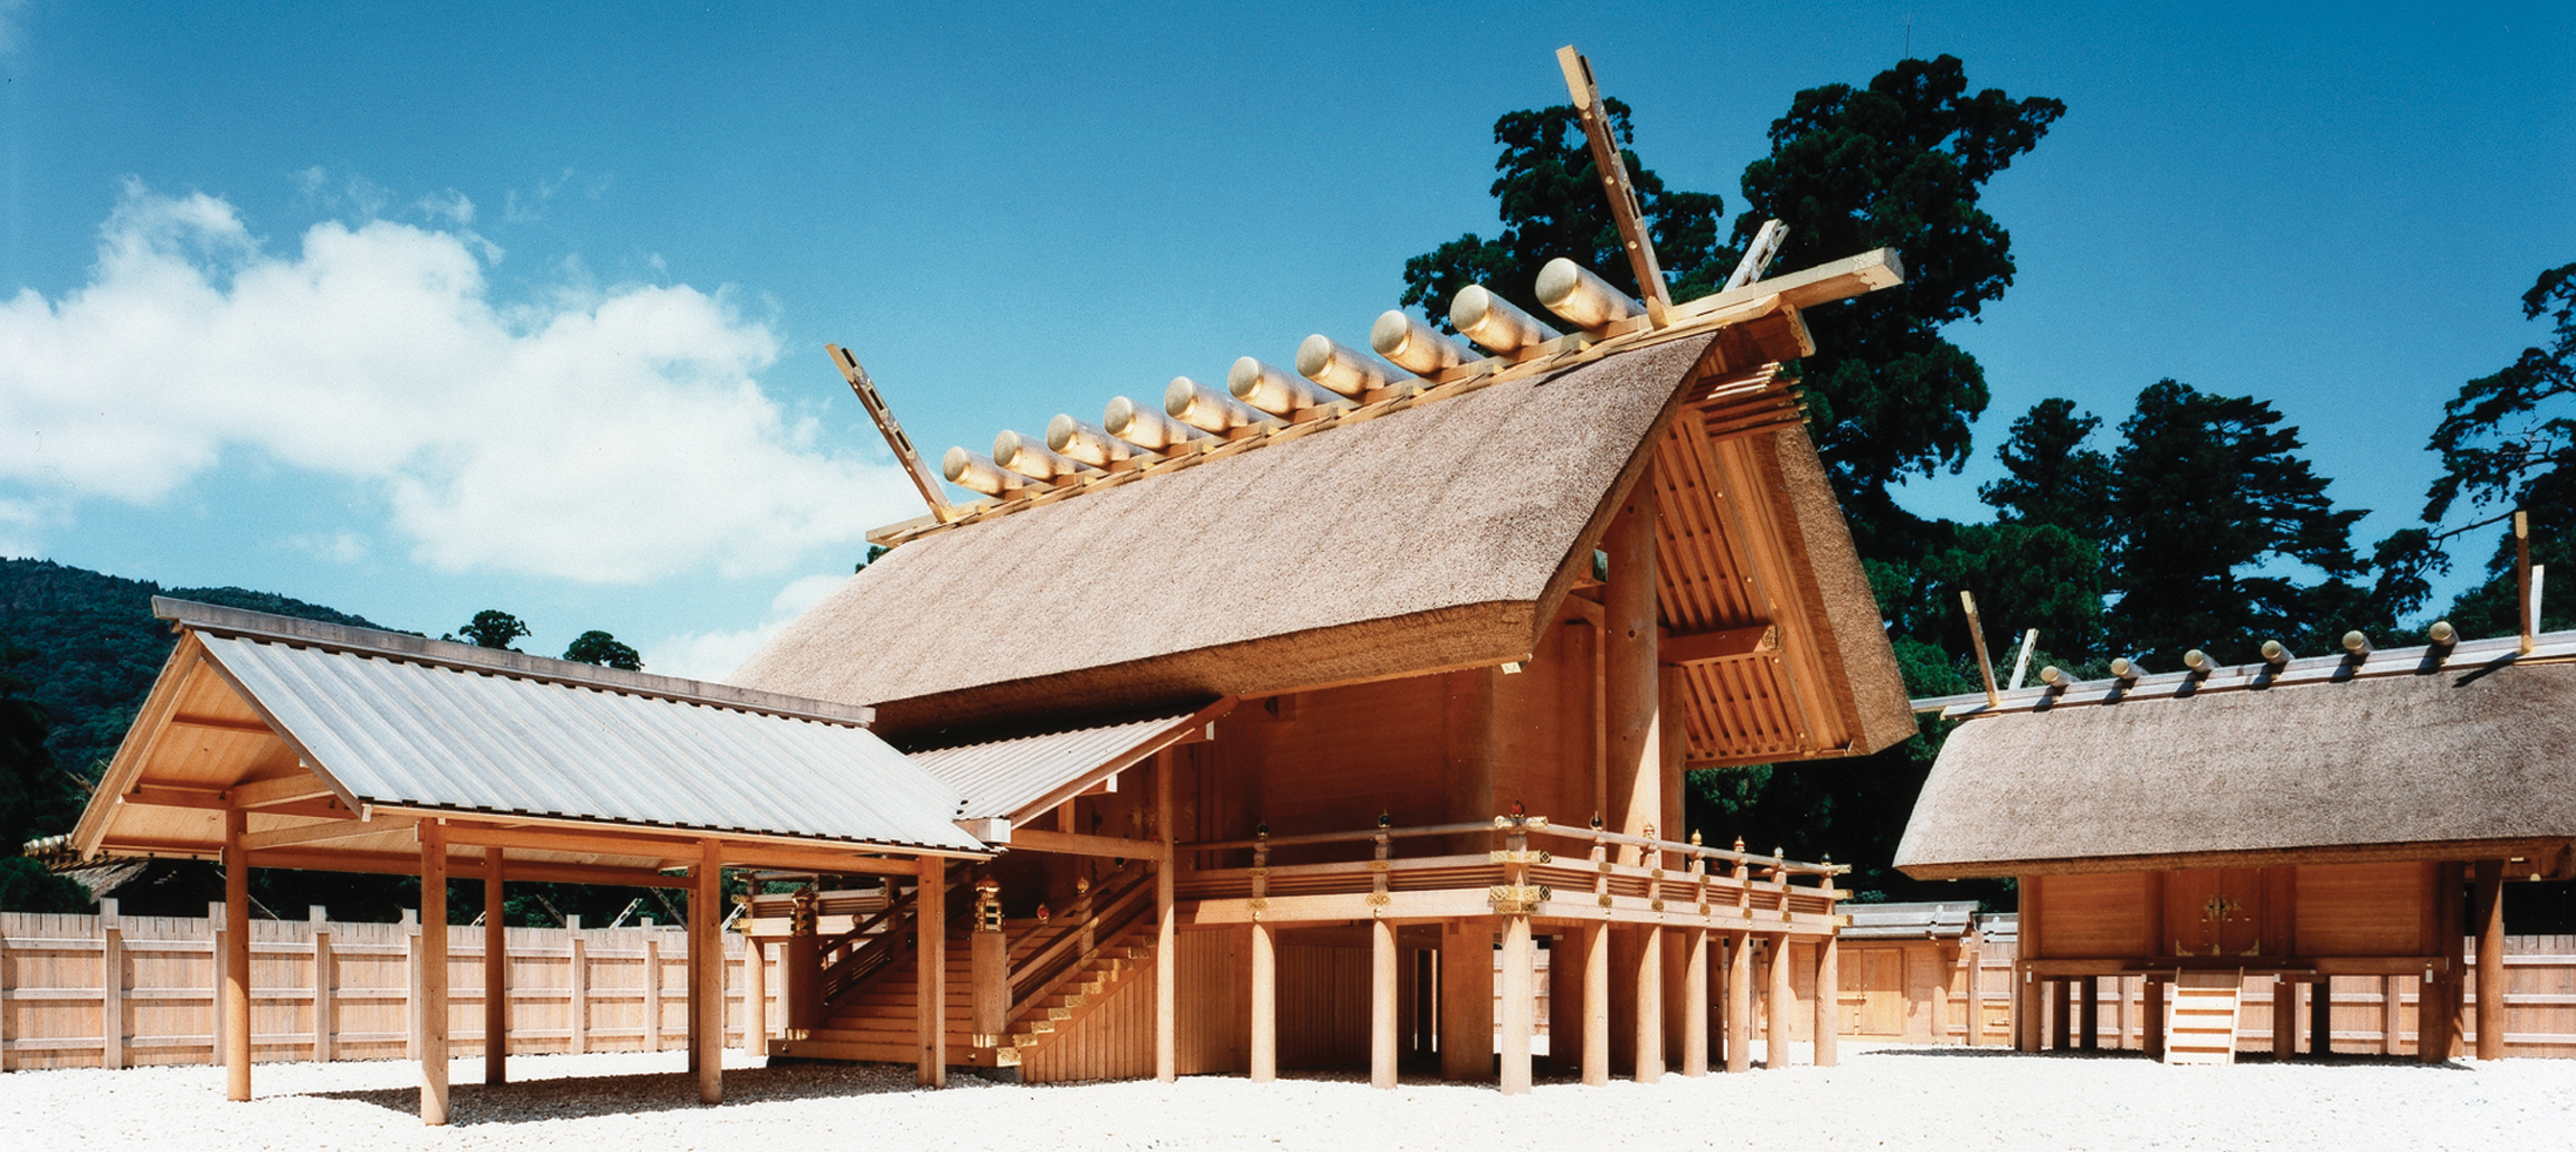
<point>2348,816</point>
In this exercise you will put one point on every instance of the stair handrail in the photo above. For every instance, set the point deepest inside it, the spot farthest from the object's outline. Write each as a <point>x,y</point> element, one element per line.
<point>1042,973</point>
<point>882,948</point>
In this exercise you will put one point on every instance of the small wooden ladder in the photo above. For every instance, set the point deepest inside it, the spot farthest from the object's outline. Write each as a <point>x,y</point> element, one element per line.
<point>2200,1022</point>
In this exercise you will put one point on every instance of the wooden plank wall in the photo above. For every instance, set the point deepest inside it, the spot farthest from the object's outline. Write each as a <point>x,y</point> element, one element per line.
<point>570,991</point>
<point>1888,994</point>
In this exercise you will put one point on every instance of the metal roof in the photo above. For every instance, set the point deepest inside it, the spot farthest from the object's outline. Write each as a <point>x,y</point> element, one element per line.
<point>397,731</point>
<point>1003,777</point>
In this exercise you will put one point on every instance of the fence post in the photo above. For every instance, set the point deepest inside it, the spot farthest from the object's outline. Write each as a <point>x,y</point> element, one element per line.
<point>215,987</point>
<point>111,987</point>
<point>652,990</point>
<point>580,987</point>
<point>411,982</point>
<point>4,994</point>
<point>323,1006</point>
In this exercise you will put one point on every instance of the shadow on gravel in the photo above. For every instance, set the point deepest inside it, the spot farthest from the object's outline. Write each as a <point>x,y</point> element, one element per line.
<point>2339,1059</point>
<point>581,1096</point>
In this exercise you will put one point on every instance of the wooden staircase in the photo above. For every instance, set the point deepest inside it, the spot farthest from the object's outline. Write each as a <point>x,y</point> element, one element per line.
<point>1057,985</point>
<point>2200,1022</point>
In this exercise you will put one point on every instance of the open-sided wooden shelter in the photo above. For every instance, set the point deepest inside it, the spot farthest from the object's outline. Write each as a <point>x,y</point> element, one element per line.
<point>2298,820</point>
<point>269,742</point>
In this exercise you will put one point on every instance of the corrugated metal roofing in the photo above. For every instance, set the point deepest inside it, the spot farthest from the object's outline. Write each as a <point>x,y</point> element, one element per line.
<point>1000,777</point>
<point>398,733</point>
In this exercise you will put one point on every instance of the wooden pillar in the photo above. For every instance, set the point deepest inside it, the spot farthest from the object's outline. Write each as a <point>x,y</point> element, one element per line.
<point>2025,997</point>
<point>2152,1028</point>
<point>1264,1058</point>
<point>1972,959</point>
<point>2285,1018</point>
<point>1167,1058</point>
<point>1466,999</point>
<point>1631,691</point>
<point>2089,1021</point>
<point>2061,1018</point>
<point>2392,1033</point>
<point>988,966</point>
<point>236,959</point>
<point>800,967</point>
<point>432,1004</point>
<point>1520,986</point>
<point>1596,1003</point>
<point>706,970</point>
<point>496,975</point>
<point>1829,1008</point>
<point>324,1010</point>
<point>2437,1003</point>
<point>2491,978</point>
<point>1739,1002</point>
<point>1695,1004</point>
<point>1382,1004</point>
<point>2321,1017</point>
<point>1650,1006</point>
<point>930,987</point>
<point>755,997</point>
<point>1782,1004</point>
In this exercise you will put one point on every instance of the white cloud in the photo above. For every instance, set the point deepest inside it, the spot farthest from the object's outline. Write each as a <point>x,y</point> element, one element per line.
<point>714,655</point>
<point>13,24</point>
<point>601,434</point>
<point>341,547</point>
<point>450,205</point>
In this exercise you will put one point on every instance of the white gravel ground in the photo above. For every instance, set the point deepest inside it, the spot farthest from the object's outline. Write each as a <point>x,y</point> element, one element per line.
<point>1895,1097</point>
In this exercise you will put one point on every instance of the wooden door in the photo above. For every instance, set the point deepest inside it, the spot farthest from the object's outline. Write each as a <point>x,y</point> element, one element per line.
<point>2215,912</point>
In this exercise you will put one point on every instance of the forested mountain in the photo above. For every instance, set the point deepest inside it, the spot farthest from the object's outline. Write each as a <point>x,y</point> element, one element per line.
<point>94,647</point>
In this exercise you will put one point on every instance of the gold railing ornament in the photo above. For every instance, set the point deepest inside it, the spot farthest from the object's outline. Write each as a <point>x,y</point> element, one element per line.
<point>801,912</point>
<point>988,905</point>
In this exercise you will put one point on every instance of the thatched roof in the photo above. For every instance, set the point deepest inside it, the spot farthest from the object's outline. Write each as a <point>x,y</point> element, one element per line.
<point>1431,538</point>
<point>2474,757</point>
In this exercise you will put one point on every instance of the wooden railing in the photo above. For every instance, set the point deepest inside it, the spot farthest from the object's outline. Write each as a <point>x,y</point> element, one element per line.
<point>1114,906</point>
<point>1614,864</point>
<point>873,943</point>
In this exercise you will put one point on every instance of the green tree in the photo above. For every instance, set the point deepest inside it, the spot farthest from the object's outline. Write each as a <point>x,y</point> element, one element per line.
<point>35,798</point>
<point>597,647</point>
<point>2508,440</point>
<point>2050,475</point>
<point>490,628</point>
<point>1550,197</point>
<point>1900,163</point>
<point>2212,501</point>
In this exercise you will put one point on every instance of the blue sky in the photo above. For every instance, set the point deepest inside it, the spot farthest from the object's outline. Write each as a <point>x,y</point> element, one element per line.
<point>417,310</point>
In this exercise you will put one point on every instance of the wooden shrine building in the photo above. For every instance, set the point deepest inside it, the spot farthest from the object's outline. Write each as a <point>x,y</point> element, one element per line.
<point>1294,700</point>
<point>2296,820</point>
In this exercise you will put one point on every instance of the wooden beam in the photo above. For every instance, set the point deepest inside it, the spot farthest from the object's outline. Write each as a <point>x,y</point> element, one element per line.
<point>1783,1003</point>
<point>431,1006</point>
<point>744,853</point>
<point>277,790</point>
<point>496,974</point>
<point>220,724</point>
<point>1739,1002</point>
<point>1649,980</point>
<point>706,969</point>
<point>1167,1066</point>
<point>1078,844</point>
<point>1823,284</point>
<point>1382,1004</point>
<point>1829,1011</point>
<point>1520,978</point>
<point>1615,185</point>
<point>2491,977</point>
<point>1263,1061</point>
<point>236,1006</point>
<point>322,833</point>
<point>408,864</point>
<point>1724,644</point>
<point>914,467</point>
<point>930,987</point>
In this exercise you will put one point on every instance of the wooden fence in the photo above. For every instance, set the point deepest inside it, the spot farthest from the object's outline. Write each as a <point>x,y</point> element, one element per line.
<point>117,991</point>
<point>1925,983</point>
